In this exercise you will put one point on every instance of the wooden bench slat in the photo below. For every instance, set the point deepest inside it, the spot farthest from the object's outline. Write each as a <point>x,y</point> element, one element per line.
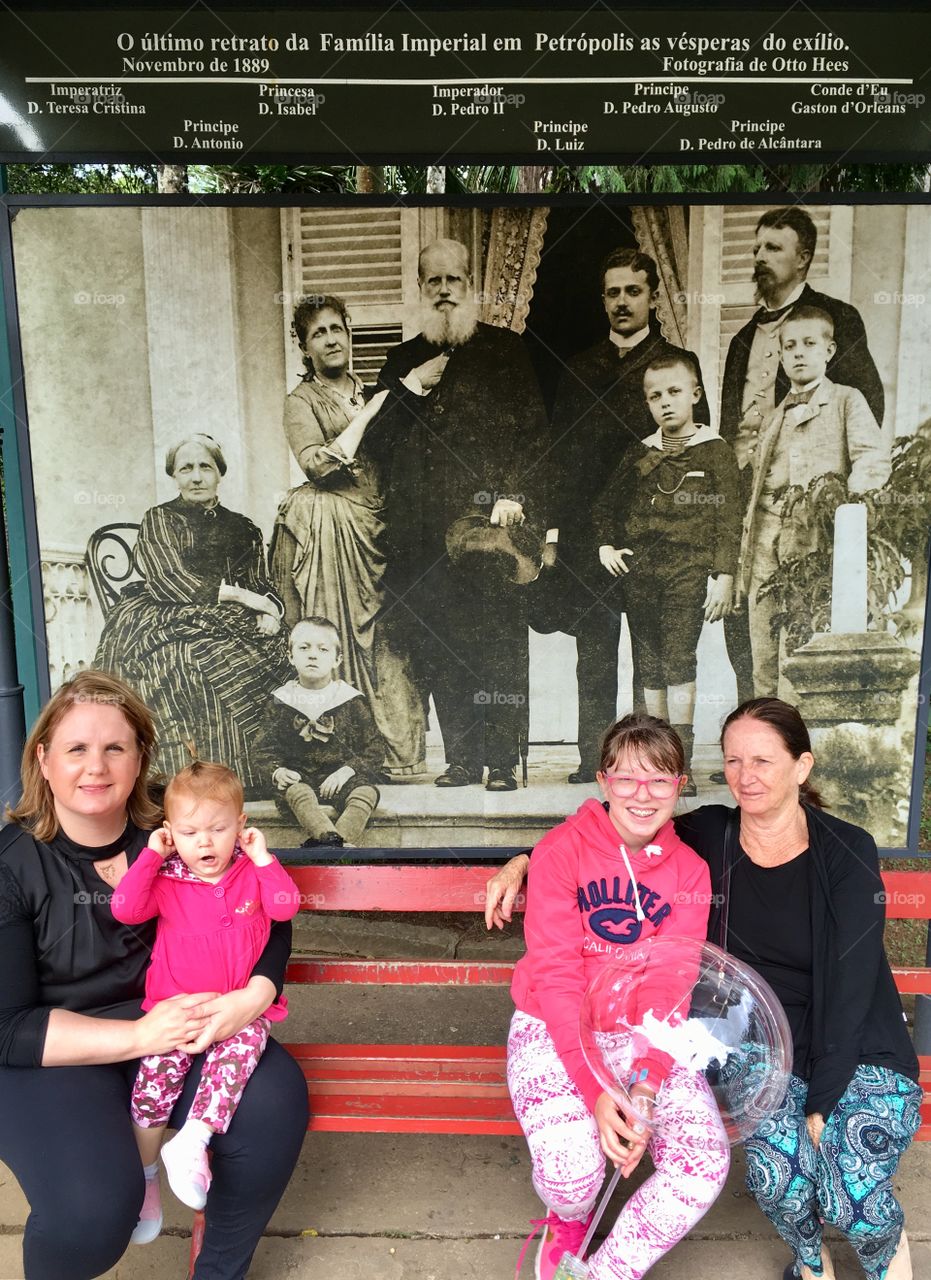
<point>379,886</point>
<point>912,982</point>
<point>908,895</point>
<point>423,1073</point>
<point>407,1124</point>
<point>471,973</point>
<point>393,1052</point>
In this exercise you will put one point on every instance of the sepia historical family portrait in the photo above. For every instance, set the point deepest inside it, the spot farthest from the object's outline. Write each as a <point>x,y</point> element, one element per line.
<point>394,509</point>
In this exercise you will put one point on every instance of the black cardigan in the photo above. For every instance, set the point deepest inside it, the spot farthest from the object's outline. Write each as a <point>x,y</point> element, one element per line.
<point>856,1011</point>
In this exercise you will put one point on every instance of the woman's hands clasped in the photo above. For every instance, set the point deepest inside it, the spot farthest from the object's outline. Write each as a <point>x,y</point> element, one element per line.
<point>174,1023</point>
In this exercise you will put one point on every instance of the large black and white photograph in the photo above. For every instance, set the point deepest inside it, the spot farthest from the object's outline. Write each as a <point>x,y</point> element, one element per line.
<point>394,508</point>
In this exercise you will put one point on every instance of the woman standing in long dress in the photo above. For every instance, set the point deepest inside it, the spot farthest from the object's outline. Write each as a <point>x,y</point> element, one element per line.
<point>327,556</point>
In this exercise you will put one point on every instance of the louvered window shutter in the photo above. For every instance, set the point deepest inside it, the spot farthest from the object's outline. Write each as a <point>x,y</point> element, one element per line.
<point>367,257</point>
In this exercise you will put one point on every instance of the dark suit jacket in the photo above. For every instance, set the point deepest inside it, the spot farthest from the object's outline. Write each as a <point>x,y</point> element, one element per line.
<point>478,435</point>
<point>600,411</point>
<point>852,365</point>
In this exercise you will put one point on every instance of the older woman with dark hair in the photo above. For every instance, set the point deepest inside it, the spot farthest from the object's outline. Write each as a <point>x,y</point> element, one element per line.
<point>799,897</point>
<point>199,636</point>
<point>327,556</point>
<point>72,979</point>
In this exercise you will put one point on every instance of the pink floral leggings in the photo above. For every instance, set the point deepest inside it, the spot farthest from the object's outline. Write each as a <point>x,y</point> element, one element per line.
<point>691,1155</point>
<point>228,1064</point>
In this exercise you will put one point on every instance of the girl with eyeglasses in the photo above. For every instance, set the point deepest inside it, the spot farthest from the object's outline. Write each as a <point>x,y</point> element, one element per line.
<point>611,876</point>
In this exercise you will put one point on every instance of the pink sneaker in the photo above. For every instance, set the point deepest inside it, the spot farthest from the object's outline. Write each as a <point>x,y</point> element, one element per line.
<point>149,1225</point>
<point>188,1170</point>
<point>559,1237</point>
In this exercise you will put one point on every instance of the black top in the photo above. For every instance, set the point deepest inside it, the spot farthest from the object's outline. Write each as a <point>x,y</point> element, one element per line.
<point>856,1013</point>
<point>61,947</point>
<point>770,907</point>
<point>600,412</point>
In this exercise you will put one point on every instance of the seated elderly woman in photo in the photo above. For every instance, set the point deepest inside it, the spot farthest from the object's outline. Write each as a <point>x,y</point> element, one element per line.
<point>199,637</point>
<point>327,555</point>
<point>797,894</point>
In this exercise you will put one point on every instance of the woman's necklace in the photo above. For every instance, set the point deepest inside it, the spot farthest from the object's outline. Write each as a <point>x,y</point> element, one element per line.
<point>108,871</point>
<point>353,395</point>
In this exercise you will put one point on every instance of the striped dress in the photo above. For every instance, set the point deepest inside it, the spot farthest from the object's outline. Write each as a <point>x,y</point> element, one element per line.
<point>202,667</point>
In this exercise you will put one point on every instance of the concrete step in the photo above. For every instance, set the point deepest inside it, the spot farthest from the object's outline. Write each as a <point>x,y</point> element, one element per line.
<point>450,1207</point>
<point>419,815</point>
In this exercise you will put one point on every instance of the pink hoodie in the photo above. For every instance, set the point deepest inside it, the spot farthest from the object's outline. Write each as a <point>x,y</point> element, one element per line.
<point>582,913</point>
<point>209,934</point>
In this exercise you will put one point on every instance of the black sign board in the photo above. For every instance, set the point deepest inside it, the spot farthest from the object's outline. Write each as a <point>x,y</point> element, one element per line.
<point>471,84</point>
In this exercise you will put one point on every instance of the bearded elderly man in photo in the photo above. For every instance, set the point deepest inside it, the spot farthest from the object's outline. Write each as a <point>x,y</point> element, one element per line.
<point>461,434</point>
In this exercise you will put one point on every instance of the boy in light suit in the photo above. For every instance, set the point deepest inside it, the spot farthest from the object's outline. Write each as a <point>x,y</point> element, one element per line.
<point>819,428</point>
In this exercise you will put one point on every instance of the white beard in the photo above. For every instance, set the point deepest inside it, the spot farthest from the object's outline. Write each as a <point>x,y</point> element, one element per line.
<point>451,328</point>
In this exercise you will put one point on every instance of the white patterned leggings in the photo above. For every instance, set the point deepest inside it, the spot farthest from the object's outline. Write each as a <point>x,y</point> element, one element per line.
<point>691,1155</point>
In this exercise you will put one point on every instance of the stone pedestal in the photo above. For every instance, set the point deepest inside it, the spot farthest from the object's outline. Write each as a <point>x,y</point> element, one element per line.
<point>856,679</point>
<point>851,690</point>
<point>853,693</point>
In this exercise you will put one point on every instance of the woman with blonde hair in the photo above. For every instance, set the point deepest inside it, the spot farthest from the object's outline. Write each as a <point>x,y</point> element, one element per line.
<point>71,988</point>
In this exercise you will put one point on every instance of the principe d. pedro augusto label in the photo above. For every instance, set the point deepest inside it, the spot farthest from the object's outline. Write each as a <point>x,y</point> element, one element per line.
<point>603,84</point>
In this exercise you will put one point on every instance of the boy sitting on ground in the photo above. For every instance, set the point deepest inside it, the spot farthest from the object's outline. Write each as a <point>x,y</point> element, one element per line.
<point>319,742</point>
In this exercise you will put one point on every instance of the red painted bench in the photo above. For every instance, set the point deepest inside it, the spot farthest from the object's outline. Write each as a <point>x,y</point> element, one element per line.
<point>365,1088</point>
<point>448,1088</point>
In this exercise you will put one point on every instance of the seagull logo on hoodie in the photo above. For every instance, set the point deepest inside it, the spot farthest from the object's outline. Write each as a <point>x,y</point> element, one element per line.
<point>611,908</point>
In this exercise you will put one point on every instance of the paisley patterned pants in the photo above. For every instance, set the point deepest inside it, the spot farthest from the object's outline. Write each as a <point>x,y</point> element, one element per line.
<point>847,1181</point>
<point>689,1149</point>
<point>228,1064</point>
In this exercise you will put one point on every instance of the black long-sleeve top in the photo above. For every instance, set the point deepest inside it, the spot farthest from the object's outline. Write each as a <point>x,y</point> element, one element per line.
<point>61,947</point>
<point>855,1013</point>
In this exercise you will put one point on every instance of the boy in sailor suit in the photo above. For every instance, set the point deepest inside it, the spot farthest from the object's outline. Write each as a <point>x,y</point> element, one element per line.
<point>319,743</point>
<point>675,503</point>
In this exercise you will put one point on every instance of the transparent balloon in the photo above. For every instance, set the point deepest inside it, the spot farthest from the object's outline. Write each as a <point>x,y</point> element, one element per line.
<point>677,1001</point>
